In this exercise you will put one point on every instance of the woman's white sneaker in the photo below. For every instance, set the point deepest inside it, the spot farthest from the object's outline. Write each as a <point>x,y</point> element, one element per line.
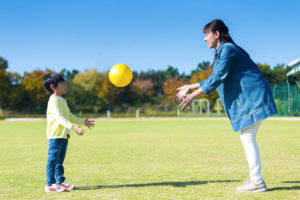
<point>251,186</point>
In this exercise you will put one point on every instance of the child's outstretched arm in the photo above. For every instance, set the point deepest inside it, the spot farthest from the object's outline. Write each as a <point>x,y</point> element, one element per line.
<point>77,120</point>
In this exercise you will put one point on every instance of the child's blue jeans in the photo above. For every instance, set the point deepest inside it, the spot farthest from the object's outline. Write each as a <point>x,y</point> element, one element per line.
<point>56,154</point>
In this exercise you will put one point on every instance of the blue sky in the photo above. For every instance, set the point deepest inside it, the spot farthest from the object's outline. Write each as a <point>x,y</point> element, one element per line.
<point>144,34</point>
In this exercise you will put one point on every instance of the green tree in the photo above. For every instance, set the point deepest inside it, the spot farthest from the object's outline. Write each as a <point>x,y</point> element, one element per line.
<point>69,74</point>
<point>205,65</point>
<point>16,91</point>
<point>108,93</point>
<point>279,72</point>
<point>82,94</point>
<point>157,77</point>
<point>276,75</point>
<point>171,72</point>
<point>34,89</point>
<point>266,71</point>
<point>142,91</point>
<point>170,87</point>
<point>4,84</point>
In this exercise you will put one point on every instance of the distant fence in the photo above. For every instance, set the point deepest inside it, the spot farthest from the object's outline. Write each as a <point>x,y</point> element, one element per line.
<point>287,99</point>
<point>286,96</point>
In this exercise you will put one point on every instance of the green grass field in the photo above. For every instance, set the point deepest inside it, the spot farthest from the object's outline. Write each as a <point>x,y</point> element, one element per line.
<point>158,159</point>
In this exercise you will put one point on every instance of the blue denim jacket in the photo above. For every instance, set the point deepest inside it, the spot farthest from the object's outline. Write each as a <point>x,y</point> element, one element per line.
<point>245,93</point>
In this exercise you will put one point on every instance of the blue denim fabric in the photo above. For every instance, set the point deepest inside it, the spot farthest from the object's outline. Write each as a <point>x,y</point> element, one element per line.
<point>56,154</point>
<point>245,93</point>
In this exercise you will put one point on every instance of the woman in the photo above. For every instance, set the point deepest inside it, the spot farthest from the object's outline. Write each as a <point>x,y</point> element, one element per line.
<point>245,94</point>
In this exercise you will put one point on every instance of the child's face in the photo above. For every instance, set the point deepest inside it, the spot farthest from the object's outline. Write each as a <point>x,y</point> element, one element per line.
<point>60,89</point>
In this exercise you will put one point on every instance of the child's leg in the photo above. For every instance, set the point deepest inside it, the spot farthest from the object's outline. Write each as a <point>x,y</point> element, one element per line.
<point>59,170</point>
<point>248,138</point>
<point>53,157</point>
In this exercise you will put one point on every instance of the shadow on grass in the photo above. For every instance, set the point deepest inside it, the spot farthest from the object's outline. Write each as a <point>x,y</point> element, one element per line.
<point>174,184</point>
<point>284,188</point>
<point>290,181</point>
<point>287,187</point>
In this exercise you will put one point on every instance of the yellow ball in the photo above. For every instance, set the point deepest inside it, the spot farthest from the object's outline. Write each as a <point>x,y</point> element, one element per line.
<point>120,75</point>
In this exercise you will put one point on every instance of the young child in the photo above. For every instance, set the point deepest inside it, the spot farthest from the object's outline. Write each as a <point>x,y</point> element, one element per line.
<point>59,123</point>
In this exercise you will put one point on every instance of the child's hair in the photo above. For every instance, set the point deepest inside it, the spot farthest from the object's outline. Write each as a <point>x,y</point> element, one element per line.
<point>54,79</point>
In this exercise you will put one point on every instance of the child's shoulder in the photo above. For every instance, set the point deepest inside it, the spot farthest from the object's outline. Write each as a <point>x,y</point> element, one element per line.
<point>56,98</point>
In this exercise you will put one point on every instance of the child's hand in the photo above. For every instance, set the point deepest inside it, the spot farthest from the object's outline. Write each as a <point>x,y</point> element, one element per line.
<point>89,123</point>
<point>79,130</point>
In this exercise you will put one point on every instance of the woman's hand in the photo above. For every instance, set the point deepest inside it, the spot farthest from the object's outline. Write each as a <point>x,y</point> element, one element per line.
<point>182,92</point>
<point>188,99</point>
<point>185,104</point>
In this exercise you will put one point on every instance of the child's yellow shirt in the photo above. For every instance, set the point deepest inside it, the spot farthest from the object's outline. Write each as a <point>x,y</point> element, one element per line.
<point>59,118</point>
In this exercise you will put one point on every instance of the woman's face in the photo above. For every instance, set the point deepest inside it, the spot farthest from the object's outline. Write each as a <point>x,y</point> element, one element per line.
<point>212,39</point>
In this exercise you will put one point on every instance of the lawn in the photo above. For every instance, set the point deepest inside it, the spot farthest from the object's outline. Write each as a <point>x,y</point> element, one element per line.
<point>151,159</point>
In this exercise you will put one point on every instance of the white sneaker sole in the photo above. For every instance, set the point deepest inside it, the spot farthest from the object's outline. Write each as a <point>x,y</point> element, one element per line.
<point>257,190</point>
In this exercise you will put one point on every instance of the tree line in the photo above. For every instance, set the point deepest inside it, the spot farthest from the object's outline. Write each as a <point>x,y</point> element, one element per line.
<point>90,91</point>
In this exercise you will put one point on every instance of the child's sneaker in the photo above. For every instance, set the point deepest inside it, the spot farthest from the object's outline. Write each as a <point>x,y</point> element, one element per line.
<point>54,188</point>
<point>251,186</point>
<point>67,186</point>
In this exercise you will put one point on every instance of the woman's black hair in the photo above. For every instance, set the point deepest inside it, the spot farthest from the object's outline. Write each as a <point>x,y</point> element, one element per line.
<point>54,79</point>
<point>218,25</point>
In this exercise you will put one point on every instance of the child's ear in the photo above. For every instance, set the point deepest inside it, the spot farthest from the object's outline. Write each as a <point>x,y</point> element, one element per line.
<point>52,87</point>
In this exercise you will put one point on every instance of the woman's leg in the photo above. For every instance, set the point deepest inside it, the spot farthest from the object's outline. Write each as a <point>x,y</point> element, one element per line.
<point>248,138</point>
